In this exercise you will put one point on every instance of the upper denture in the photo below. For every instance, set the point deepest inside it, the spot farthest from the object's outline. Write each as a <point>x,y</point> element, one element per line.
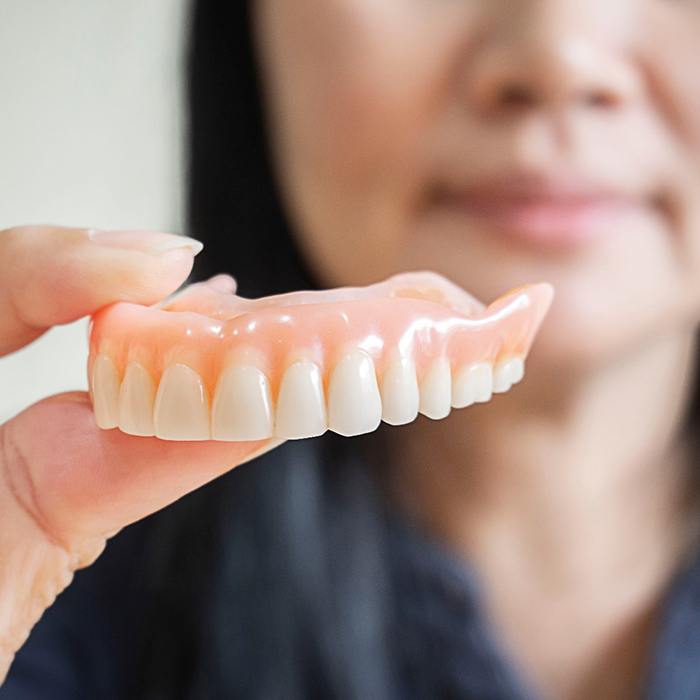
<point>345,358</point>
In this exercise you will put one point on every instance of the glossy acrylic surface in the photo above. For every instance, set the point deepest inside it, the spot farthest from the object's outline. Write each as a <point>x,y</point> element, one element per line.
<point>414,319</point>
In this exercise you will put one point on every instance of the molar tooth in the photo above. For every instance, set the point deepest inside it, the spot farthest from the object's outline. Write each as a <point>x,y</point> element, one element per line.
<point>473,384</point>
<point>105,392</point>
<point>242,406</point>
<point>301,407</point>
<point>400,396</point>
<point>506,373</point>
<point>436,390</point>
<point>181,408</point>
<point>354,404</point>
<point>136,401</point>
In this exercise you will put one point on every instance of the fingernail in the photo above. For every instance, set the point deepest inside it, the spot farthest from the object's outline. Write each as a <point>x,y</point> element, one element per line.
<point>146,241</point>
<point>222,283</point>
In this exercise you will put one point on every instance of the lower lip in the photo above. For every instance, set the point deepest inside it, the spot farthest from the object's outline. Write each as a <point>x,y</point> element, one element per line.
<point>546,221</point>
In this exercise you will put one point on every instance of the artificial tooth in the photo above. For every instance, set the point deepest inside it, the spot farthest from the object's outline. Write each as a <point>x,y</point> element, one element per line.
<point>242,406</point>
<point>354,403</point>
<point>400,396</point>
<point>105,392</point>
<point>301,407</point>
<point>517,369</point>
<point>483,381</point>
<point>436,390</point>
<point>136,398</point>
<point>506,373</point>
<point>464,388</point>
<point>181,408</point>
<point>473,383</point>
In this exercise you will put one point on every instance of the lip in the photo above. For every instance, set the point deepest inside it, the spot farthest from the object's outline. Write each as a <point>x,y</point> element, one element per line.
<point>548,212</point>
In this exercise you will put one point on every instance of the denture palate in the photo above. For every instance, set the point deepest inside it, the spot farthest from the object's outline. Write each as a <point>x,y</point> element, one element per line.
<point>207,364</point>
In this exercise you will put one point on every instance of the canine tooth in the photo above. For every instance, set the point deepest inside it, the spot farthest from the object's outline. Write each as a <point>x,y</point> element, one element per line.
<point>136,398</point>
<point>400,396</point>
<point>507,373</point>
<point>436,390</point>
<point>242,406</point>
<point>354,404</point>
<point>301,407</point>
<point>105,392</point>
<point>181,408</point>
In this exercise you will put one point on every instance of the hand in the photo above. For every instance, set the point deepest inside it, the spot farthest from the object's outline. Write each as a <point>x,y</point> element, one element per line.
<point>65,485</point>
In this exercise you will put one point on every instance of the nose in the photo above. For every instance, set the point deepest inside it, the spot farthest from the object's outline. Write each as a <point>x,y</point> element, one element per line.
<point>546,56</point>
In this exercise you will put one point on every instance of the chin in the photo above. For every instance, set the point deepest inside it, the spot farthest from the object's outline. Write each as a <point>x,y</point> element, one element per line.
<point>574,347</point>
<point>585,335</point>
<point>613,297</point>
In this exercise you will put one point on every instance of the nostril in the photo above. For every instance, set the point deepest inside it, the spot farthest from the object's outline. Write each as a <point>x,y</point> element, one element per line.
<point>519,96</point>
<point>516,95</point>
<point>601,99</point>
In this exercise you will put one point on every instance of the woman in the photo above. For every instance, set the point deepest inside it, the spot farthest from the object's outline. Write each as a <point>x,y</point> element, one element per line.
<point>541,545</point>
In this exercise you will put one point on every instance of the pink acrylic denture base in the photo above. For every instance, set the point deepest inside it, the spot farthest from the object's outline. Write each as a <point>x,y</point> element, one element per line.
<point>421,316</point>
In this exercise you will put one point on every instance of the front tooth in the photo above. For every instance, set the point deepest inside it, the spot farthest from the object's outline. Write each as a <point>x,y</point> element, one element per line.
<point>181,408</point>
<point>436,390</point>
<point>400,397</point>
<point>354,404</point>
<point>136,401</point>
<point>301,407</point>
<point>105,392</point>
<point>242,407</point>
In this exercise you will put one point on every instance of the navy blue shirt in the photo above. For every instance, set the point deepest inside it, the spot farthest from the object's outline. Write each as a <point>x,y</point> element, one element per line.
<point>84,646</point>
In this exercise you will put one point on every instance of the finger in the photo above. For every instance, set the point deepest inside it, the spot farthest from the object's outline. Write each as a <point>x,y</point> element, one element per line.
<point>51,275</point>
<point>102,480</point>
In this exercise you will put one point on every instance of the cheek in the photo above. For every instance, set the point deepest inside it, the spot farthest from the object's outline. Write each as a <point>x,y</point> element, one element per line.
<point>624,296</point>
<point>673,53</point>
<point>352,88</point>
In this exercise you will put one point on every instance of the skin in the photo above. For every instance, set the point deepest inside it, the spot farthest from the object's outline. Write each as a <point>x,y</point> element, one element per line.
<point>570,494</point>
<point>59,507</point>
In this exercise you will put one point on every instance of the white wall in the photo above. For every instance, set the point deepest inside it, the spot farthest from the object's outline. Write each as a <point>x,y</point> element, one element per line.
<point>91,133</point>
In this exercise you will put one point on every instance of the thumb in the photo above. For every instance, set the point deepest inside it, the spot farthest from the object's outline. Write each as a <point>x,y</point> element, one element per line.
<point>99,481</point>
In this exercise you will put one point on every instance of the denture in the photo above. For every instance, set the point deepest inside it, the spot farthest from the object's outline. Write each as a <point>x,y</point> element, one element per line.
<point>207,364</point>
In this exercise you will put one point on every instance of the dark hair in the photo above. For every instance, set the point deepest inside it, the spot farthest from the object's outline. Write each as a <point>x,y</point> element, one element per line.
<point>233,199</point>
<point>270,582</point>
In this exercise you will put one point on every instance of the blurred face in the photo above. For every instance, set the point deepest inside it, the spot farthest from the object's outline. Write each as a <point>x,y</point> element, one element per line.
<point>498,142</point>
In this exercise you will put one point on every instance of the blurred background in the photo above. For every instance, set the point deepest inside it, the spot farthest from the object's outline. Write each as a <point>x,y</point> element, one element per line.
<point>84,98</point>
